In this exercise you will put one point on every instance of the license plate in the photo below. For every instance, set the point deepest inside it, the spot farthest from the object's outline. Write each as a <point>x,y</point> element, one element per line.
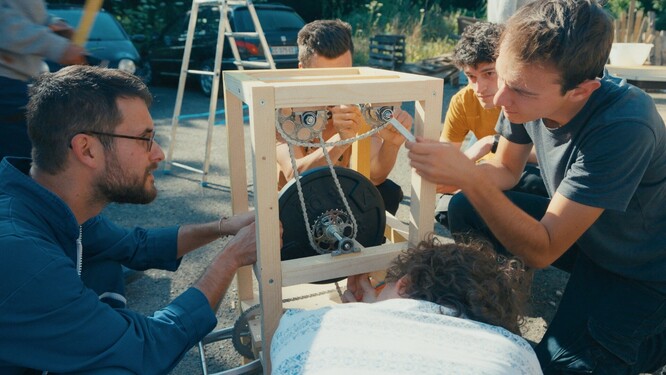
<point>284,50</point>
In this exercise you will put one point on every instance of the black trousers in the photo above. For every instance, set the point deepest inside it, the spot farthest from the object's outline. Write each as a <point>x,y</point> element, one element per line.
<point>14,139</point>
<point>391,194</point>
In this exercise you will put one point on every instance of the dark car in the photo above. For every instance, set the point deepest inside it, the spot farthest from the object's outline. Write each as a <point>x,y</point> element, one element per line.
<point>108,43</point>
<point>280,24</point>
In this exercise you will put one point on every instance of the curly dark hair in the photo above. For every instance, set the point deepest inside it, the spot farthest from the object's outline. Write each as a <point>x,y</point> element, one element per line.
<point>470,278</point>
<point>477,44</point>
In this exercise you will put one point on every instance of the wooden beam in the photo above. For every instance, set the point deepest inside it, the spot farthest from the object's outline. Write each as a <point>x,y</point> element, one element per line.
<point>90,10</point>
<point>324,267</point>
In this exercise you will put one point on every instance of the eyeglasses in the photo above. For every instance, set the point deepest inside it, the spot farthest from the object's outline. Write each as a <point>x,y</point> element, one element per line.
<point>150,139</point>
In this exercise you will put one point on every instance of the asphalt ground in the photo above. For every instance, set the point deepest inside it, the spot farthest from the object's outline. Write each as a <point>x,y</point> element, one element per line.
<point>182,199</point>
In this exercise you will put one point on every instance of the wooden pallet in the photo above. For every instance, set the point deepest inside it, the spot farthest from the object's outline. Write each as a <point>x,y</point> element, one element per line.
<point>387,51</point>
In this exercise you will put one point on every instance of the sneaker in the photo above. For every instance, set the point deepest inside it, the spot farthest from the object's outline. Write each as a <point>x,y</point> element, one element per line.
<point>442,209</point>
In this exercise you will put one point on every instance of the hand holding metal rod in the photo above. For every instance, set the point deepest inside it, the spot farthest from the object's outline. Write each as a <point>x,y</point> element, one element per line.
<point>402,130</point>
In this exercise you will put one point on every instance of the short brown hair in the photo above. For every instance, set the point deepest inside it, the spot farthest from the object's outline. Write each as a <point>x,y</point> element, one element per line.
<point>73,100</point>
<point>327,38</point>
<point>574,36</point>
<point>469,277</point>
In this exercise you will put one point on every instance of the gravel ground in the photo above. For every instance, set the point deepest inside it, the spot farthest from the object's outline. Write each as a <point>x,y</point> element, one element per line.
<point>182,200</point>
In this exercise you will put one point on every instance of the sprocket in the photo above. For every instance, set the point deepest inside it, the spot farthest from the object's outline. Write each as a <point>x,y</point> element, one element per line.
<point>376,116</point>
<point>240,336</point>
<point>301,126</point>
<point>333,231</point>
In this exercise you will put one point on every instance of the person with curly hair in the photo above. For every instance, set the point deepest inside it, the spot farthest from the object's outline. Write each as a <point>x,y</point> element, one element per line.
<point>471,109</point>
<point>442,308</point>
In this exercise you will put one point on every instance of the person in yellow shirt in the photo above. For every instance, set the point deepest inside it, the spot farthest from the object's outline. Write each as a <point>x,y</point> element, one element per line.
<point>472,109</point>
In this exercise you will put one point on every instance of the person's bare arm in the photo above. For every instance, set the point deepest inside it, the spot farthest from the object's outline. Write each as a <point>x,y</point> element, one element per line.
<point>240,251</point>
<point>533,157</point>
<point>193,236</point>
<point>504,170</point>
<point>345,119</point>
<point>73,55</point>
<point>539,243</point>
<point>306,162</point>
<point>475,152</point>
<point>443,163</point>
<point>480,148</point>
<point>359,289</point>
<point>455,144</point>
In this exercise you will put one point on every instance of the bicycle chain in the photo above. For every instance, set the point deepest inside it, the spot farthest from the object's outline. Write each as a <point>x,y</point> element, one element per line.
<point>282,114</point>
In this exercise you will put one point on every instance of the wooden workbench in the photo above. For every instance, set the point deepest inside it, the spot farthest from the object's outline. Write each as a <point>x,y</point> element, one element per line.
<point>647,77</point>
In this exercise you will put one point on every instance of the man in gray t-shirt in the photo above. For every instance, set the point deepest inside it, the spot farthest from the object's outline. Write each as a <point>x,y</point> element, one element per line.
<point>610,155</point>
<point>601,146</point>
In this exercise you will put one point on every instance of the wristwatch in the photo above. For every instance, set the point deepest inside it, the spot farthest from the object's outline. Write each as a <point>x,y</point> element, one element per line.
<point>496,138</point>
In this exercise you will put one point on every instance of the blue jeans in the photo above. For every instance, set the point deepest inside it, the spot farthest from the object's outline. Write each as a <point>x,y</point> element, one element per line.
<point>530,182</point>
<point>605,323</point>
<point>14,139</point>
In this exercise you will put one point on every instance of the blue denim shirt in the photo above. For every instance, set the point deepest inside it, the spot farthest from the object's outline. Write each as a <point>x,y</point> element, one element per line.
<point>51,319</point>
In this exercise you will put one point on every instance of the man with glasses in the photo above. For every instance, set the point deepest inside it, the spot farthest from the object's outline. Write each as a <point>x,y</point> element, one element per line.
<point>61,303</point>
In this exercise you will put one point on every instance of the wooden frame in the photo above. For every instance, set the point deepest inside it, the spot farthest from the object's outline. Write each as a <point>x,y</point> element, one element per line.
<point>266,90</point>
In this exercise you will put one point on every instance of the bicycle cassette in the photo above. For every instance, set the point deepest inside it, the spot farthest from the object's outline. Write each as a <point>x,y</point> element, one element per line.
<point>333,231</point>
<point>304,125</point>
<point>376,115</point>
<point>240,336</point>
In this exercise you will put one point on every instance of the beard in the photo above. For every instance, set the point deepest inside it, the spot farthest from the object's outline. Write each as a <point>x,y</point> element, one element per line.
<point>118,187</point>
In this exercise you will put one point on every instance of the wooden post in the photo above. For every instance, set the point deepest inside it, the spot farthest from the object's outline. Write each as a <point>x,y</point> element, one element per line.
<point>630,21</point>
<point>238,174</point>
<point>659,40</point>
<point>90,10</point>
<point>262,127</point>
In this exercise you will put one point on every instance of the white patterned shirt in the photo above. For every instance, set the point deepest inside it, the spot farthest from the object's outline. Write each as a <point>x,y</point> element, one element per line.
<point>396,336</point>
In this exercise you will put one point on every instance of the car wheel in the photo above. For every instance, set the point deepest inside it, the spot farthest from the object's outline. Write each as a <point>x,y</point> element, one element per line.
<point>206,81</point>
<point>146,74</point>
